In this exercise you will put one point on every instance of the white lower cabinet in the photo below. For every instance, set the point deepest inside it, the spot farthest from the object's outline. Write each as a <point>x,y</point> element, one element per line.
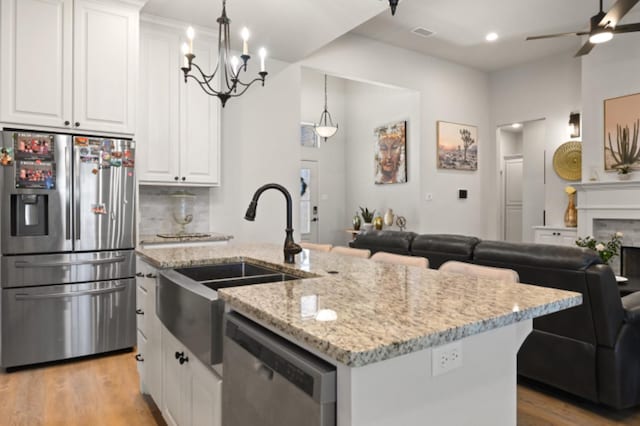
<point>192,393</point>
<point>188,393</point>
<point>556,236</point>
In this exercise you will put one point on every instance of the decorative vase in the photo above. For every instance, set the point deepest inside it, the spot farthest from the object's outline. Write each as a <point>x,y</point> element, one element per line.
<point>356,222</point>
<point>377,223</point>
<point>571,214</point>
<point>367,226</point>
<point>624,176</point>
<point>388,217</point>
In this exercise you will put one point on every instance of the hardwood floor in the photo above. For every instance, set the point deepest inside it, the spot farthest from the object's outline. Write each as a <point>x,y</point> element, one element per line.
<point>103,391</point>
<point>93,391</point>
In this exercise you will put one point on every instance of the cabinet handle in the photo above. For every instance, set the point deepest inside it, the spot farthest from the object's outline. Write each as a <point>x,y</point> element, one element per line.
<point>139,274</point>
<point>139,358</point>
<point>139,312</point>
<point>150,275</point>
<point>77,124</point>
<point>176,178</point>
<point>183,359</point>
<point>184,178</point>
<point>179,355</point>
<point>67,122</point>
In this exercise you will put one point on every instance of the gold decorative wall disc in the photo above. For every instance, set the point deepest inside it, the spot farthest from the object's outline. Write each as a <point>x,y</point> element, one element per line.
<point>567,160</point>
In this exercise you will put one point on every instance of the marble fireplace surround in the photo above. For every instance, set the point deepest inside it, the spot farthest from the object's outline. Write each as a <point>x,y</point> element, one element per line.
<point>608,207</point>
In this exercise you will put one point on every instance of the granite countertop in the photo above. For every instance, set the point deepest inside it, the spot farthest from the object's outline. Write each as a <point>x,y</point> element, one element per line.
<point>155,239</point>
<point>381,311</point>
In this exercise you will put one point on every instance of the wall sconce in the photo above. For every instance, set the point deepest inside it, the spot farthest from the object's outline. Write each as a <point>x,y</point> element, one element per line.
<point>574,125</point>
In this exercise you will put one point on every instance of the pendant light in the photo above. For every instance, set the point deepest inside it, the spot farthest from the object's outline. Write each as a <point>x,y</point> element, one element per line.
<point>325,127</point>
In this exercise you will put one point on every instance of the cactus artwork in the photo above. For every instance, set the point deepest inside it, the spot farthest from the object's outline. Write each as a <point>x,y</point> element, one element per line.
<point>622,134</point>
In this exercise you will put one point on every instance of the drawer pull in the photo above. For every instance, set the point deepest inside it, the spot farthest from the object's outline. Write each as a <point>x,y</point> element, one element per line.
<point>151,276</point>
<point>139,358</point>
<point>139,312</point>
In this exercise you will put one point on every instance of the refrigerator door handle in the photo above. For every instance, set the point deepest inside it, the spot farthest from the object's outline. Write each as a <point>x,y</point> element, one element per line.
<point>68,194</point>
<point>76,192</point>
<point>23,264</point>
<point>115,289</point>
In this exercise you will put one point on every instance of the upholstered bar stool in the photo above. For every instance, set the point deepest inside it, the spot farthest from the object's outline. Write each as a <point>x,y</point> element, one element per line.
<point>314,246</point>
<point>347,251</point>
<point>399,259</point>
<point>502,274</point>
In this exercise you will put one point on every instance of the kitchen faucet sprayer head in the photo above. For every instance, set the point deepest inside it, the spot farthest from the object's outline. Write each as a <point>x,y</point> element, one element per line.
<point>251,211</point>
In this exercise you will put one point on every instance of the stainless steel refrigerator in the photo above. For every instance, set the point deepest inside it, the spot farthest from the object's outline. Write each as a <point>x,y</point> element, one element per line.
<point>67,237</point>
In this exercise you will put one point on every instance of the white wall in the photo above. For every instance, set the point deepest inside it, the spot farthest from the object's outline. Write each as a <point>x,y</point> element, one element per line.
<point>533,188</point>
<point>609,71</point>
<point>447,92</point>
<point>260,144</point>
<point>331,154</point>
<point>511,142</point>
<point>549,89</point>
<point>368,107</point>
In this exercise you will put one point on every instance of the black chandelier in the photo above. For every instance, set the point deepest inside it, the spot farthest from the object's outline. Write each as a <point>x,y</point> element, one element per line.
<point>393,4</point>
<point>229,67</point>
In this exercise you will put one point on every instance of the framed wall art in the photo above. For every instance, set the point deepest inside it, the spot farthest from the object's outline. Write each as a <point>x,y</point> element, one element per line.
<point>457,146</point>
<point>390,157</point>
<point>621,128</point>
<point>308,136</point>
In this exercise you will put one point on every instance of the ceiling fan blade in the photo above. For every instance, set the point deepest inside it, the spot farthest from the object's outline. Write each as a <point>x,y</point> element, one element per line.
<point>551,36</point>
<point>586,48</point>
<point>629,28</point>
<point>617,11</point>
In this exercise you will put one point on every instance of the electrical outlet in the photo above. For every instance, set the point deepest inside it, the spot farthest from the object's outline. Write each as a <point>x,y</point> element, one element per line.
<point>429,197</point>
<point>446,358</point>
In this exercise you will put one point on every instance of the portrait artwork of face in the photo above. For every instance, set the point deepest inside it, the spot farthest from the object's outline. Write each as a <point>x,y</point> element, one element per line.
<point>390,157</point>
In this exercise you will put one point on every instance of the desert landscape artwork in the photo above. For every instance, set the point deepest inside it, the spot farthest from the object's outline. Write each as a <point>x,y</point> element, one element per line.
<point>621,127</point>
<point>457,146</point>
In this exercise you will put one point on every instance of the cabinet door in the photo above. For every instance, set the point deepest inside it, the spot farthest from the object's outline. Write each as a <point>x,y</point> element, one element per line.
<point>200,117</point>
<point>175,389</point>
<point>157,131</point>
<point>206,396</point>
<point>568,238</point>
<point>545,237</point>
<point>105,66</point>
<point>141,355</point>
<point>35,70</point>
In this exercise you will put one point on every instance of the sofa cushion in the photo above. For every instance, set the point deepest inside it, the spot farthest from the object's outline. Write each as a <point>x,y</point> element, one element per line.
<point>439,248</point>
<point>398,242</point>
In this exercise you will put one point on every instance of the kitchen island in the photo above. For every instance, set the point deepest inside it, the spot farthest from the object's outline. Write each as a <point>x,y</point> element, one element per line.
<point>391,329</point>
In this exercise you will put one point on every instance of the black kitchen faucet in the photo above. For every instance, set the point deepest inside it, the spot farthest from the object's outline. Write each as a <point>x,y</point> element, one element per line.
<point>290,247</point>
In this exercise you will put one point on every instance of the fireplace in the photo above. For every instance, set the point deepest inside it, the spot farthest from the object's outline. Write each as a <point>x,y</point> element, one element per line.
<point>630,262</point>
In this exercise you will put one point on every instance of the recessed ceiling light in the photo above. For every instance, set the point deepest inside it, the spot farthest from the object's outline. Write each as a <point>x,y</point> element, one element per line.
<point>516,125</point>
<point>491,37</point>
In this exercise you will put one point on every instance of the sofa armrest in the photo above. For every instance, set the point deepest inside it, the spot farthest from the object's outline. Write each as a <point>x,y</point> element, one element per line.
<point>631,305</point>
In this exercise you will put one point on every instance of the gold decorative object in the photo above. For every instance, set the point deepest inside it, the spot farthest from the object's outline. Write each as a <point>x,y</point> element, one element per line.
<point>377,222</point>
<point>567,160</point>
<point>571,214</point>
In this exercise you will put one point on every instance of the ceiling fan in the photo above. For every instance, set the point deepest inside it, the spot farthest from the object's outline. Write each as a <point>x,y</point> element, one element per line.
<point>603,26</point>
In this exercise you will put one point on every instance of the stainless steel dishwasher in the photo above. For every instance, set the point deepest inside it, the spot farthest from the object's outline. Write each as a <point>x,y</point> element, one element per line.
<point>269,381</point>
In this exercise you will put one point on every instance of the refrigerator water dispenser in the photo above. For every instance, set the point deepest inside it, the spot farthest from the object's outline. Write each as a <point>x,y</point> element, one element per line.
<point>29,215</point>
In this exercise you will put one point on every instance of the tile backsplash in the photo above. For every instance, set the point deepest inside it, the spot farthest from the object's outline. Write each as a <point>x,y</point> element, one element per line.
<point>156,207</point>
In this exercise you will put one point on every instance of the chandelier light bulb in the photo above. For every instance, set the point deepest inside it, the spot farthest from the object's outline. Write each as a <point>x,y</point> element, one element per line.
<point>263,54</point>
<point>245,40</point>
<point>185,51</point>
<point>190,35</point>
<point>234,65</point>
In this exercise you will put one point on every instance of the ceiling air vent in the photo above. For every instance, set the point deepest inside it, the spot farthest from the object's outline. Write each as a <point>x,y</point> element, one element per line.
<point>422,32</point>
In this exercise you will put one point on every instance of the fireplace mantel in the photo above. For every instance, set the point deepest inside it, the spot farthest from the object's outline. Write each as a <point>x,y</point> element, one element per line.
<point>606,200</point>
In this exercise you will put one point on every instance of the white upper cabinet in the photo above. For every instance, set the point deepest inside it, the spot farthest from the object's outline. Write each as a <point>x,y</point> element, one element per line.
<point>178,130</point>
<point>105,66</point>
<point>35,70</point>
<point>157,131</point>
<point>69,64</point>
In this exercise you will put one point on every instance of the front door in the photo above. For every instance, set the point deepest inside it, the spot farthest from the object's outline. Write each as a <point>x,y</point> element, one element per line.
<point>309,201</point>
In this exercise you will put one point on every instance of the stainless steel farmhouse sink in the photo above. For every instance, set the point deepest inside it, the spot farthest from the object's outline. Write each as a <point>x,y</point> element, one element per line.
<point>188,304</point>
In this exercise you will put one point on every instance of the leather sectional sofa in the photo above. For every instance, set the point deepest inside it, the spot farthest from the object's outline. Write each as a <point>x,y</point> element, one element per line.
<point>592,350</point>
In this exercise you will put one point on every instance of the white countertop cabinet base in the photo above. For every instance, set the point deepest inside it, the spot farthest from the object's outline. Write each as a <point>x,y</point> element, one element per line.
<point>187,394</point>
<point>71,65</point>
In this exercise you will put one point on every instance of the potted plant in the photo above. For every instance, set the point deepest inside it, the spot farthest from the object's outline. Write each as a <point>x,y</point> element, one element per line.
<point>367,217</point>
<point>624,171</point>
<point>605,249</point>
<point>627,152</point>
